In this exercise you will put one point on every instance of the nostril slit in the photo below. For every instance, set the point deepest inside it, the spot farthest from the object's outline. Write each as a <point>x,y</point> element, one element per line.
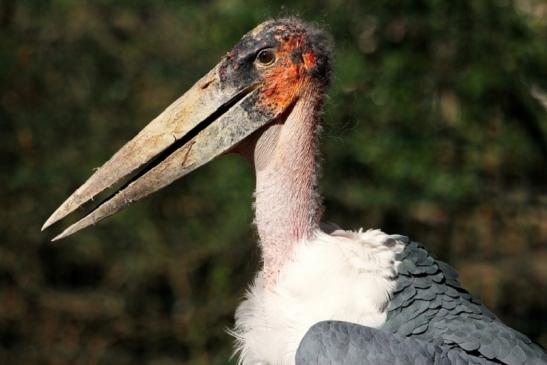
<point>207,83</point>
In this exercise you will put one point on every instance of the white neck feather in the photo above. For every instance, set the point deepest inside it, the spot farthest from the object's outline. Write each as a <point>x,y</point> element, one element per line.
<point>345,276</point>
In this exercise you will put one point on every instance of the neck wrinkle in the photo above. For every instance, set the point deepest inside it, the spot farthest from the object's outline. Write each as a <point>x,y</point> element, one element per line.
<point>287,202</point>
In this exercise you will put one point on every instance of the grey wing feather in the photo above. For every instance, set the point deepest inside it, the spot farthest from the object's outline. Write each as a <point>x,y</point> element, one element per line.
<point>429,304</point>
<point>334,342</point>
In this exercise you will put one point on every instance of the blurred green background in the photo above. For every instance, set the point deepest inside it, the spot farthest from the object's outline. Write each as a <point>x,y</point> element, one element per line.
<point>435,127</point>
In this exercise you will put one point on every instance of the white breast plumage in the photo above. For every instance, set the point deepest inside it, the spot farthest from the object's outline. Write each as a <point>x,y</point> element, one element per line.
<point>347,276</point>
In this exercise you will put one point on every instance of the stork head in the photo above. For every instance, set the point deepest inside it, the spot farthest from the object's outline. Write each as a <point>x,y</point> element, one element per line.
<point>255,84</point>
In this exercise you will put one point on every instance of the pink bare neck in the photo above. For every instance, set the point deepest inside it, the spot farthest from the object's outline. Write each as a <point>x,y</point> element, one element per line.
<point>287,203</point>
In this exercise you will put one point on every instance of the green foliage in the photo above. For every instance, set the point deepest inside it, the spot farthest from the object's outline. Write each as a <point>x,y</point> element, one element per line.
<point>435,127</point>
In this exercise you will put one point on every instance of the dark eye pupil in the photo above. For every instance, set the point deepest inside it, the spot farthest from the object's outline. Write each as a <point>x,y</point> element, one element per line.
<point>266,57</point>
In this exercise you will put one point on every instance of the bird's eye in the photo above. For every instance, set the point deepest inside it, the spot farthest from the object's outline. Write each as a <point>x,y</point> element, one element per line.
<point>266,57</point>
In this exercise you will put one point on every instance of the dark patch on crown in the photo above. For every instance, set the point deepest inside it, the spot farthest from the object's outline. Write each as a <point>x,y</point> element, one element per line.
<point>240,59</point>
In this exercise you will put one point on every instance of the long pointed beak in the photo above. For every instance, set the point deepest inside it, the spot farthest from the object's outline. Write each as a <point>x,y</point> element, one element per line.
<point>208,120</point>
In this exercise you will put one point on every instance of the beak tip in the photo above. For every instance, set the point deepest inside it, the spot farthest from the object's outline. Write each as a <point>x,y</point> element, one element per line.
<point>65,233</point>
<point>60,213</point>
<point>76,227</point>
<point>54,218</point>
<point>57,238</point>
<point>46,224</point>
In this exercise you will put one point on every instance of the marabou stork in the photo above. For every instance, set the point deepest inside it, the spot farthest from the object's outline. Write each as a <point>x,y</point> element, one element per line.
<point>322,296</point>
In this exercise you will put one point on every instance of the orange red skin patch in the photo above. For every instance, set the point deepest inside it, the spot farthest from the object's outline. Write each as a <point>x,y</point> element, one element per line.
<point>284,80</point>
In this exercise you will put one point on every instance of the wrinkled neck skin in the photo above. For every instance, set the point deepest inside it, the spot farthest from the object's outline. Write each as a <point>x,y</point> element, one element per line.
<point>287,203</point>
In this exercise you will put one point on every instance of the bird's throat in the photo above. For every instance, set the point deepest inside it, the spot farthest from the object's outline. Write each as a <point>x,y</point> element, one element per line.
<point>287,203</point>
